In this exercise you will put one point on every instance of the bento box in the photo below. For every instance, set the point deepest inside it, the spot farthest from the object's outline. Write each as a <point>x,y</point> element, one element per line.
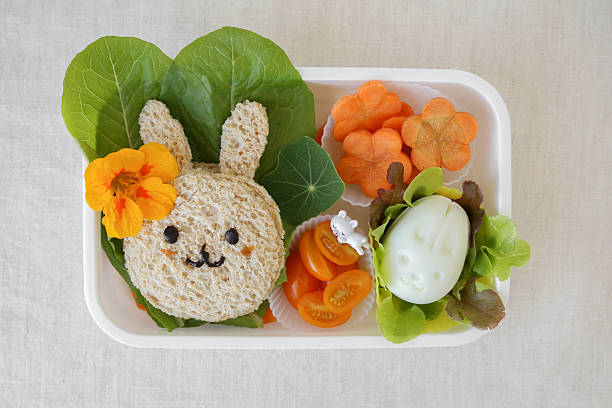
<point>111,305</point>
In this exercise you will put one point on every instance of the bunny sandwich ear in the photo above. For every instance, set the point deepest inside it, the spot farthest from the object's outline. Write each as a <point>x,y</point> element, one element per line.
<point>243,139</point>
<point>157,125</point>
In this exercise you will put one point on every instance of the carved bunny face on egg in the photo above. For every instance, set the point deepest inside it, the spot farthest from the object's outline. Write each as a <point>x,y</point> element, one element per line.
<point>425,249</point>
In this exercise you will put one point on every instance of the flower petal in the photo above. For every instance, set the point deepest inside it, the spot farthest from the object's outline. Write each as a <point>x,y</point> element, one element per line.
<point>122,218</point>
<point>462,128</point>
<point>155,199</point>
<point>386,141</point>
<point>438,112</point>
<point>455,155</point>
<point>159,162</point>
<point>359,144</point>
<point>352,169</point>
<point>125,160</point>
<point>97,185</point>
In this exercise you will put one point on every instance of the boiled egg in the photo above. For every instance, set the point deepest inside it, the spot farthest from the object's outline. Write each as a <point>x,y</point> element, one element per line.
<point>425,249</point>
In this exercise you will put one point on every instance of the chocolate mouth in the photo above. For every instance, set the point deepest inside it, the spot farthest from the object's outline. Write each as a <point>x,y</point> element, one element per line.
<point>205,259</point>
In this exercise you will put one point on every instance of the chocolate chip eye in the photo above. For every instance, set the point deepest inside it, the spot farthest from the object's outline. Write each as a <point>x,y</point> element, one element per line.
<point>231,236</point>
<point>171,234</point>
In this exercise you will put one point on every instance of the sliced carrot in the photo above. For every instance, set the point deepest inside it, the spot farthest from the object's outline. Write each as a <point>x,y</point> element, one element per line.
<point>365,110</point>
<point>415,172</point>
<point>406,110</point>
<point>395,123</point>
<point>368,156</point>
<point>439,136</point>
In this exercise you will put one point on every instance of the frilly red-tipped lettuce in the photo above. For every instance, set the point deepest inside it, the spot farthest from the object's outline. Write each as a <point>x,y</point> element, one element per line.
<point>494,248</point>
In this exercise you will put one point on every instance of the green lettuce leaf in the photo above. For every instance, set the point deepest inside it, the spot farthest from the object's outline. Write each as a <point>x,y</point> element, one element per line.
<point>105,88</point>
<point>432,310</point>
<point>252,320</point>
<point>426,183</point>
<point>494,248</point>
<point>305,183</point>
<point>228,66</point>
<point>498,247</point>
<point>399,321</point>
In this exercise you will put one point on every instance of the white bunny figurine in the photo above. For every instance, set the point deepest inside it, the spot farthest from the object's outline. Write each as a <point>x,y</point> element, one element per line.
<point>344,229</point>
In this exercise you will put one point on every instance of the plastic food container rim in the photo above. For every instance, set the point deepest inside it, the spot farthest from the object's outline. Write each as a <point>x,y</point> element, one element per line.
<point>92,249</point>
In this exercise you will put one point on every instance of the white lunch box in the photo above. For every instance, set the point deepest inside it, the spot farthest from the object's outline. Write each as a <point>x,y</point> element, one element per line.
<point>113,309</point>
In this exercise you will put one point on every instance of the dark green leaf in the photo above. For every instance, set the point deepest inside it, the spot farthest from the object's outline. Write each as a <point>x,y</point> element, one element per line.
<point>305,183</point>
<point>105,87</point>
<point>228,66</point>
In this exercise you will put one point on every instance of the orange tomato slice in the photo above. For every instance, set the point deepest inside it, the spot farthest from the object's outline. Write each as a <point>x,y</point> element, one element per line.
<point>327,242</point>
<point>299,280</point>
<point>313,311</point>
<point>339,270</point>
<point>269,317</point>
<point>314,261</point>
<point>346,290</point>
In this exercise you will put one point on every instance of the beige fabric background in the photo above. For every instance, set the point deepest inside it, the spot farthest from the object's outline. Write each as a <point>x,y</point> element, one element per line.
<point>550,60</point>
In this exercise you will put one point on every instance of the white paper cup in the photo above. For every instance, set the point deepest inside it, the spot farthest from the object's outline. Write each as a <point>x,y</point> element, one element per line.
<point>289,317</point>
<point>416,96</point>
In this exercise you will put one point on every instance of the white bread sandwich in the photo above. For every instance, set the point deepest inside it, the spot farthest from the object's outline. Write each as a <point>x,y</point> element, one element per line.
<point>220,251</point>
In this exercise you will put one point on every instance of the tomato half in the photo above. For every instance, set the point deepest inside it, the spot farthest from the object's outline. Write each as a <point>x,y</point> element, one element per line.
<point>346,290</point>
<point>327,242</point>
<point>313,311</point>
<point>299,280</point>
<point>318,265</point>
<point>269,317</point>
<point>339,270</point>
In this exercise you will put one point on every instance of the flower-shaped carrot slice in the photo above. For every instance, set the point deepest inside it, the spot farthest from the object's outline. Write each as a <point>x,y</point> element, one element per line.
<point>395,123</point>
<point>365,110</point>
<point>368,156</point>
<point>439,136</point>
<point>406,110</point>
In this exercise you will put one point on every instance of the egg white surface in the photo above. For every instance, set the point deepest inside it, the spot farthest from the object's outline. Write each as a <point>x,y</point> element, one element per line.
<point>425,250</point>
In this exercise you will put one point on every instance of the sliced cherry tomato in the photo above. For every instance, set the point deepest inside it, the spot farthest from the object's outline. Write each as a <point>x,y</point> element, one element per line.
<point>327,242</point>
<point>141,307</point>
<point>313,311</point>
<point>318,265</point>
<point>299,280</point>
<point>339,270</point>
<point>269,317</point>
<point>319,134</point>
<point>346,290</point>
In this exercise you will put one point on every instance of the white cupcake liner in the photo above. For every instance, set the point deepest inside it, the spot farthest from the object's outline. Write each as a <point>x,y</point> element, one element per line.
<point>289,317</point>
<point>416,96</point>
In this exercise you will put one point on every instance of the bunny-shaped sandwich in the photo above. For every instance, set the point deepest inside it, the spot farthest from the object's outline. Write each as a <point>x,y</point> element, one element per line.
<point>220,251</point>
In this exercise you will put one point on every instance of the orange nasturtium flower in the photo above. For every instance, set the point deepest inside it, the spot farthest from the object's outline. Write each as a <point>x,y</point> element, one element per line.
<point>129,186</point>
